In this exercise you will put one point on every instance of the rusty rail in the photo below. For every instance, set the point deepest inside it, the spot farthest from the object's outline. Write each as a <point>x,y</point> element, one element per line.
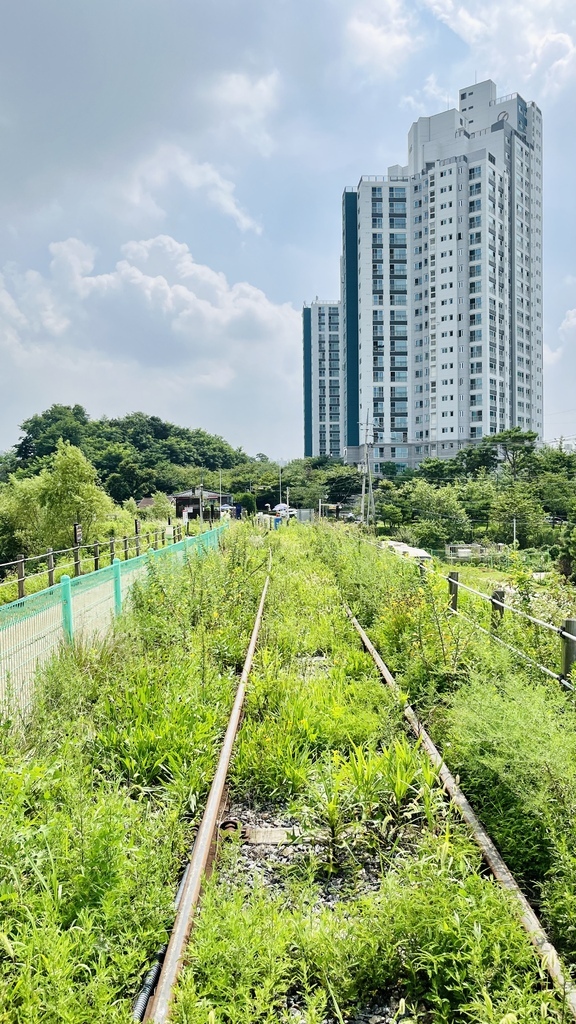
<point>502,874</point>
<point>159,1009</point>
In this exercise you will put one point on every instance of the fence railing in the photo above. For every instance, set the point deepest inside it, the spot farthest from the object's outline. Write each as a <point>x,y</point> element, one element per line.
<point>29,574</point>
<point>33,628</point>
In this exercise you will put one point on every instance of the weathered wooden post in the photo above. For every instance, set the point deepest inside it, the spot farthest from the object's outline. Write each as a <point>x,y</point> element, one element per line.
<point>155,540</point>
<point>126,552</point>
<point>76,548</point>
<point>497,602</point>
<point>21,570</point>
<point>137,535</point>
<point>453,590</point>
<point>96,556</point>
<point>568,648</point>
<point>50,555</point>
<point>112,549</point>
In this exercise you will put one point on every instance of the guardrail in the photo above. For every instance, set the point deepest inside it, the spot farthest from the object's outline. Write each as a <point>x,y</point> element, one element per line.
<point>48,568</point>
<point>33,628</point>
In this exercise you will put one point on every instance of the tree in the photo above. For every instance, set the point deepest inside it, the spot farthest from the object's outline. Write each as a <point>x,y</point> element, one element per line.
<point>39,511</point>
<point>436,471</point>
<point>70,495</point>
<point>43,431</point>
<point>342,484</point>
<point>516,449</point>
<point>475,458</point>
<point>438,514</point>
<point>516,510</point>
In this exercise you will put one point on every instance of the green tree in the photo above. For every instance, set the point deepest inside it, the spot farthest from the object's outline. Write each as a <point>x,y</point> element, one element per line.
<point>342,484</point>
<point>70,494</point>
<point>438,516</point>
<point>516,449</point>
<point>517,510</point>
<point>42,431</point>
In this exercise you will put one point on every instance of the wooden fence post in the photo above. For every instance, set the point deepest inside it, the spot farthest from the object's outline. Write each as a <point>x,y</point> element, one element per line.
<point>453,590</point>
<point>112,549</point>
<point>50,555</point>
<point>21,569</point>
<point>126,555</point>
<point>568,648</point>
<point>96,556</point>
<point>76,550</point>
<point>497,600</point>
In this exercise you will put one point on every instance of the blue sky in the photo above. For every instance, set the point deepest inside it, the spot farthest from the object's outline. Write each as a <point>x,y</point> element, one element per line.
<point>171,187</point>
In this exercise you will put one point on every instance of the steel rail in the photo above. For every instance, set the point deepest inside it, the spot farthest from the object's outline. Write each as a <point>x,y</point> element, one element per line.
<point>159,1011</point>
<point>538,937</point>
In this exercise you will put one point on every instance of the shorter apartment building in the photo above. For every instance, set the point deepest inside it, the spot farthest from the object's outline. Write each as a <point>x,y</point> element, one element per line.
<point>322,335</point>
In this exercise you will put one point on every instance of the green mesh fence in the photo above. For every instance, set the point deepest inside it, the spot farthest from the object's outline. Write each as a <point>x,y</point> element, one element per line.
<point>33,629</point>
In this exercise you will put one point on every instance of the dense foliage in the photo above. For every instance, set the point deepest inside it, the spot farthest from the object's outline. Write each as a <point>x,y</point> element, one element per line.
<point>133,455</point>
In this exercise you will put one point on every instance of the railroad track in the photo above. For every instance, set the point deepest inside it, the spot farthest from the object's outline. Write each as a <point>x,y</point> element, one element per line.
<point>277,831</point>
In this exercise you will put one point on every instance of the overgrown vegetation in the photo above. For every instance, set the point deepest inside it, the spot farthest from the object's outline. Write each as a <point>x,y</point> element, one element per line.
<point>101,793</point>
<point>323,744</point>
<point>506,729</point>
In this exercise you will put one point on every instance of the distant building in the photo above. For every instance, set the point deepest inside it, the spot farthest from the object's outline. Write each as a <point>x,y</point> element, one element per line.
<point>441,276</point>
<point>191,500</point>
<point>323,379</point>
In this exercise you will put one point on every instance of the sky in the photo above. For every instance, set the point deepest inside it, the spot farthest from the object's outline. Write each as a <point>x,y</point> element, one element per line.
<point>171,181</point>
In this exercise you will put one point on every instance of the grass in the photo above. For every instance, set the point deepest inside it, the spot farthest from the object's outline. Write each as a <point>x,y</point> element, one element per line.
<point>323,743</point>
<point>506,729</point>
<point>100,796</point>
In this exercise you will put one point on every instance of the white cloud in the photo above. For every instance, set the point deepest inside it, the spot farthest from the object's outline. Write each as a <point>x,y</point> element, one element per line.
<point>552,356</point>
<point>244,104</point>
<point>523,40</point>
<point>158,331</point>
<point>170,163</point>
<point>382,35</point>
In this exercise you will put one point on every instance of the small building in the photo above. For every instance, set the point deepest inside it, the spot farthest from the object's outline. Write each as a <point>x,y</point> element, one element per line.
<point>190,500</point>
<point>406,551</point>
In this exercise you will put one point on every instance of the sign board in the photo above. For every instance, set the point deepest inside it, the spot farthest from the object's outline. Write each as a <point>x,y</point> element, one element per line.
<point>136,526</point>
<point>187,512</point>
<point>77,534</point>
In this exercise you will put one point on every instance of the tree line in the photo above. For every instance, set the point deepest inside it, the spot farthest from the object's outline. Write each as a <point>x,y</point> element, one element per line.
<point>66,467</point>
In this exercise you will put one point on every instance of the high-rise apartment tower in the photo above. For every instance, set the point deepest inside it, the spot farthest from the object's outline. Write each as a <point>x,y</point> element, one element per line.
<point>441,277</point>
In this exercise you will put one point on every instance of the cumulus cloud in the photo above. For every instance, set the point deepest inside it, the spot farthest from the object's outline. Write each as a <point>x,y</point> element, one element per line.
<point>382,35</point>
<point>183,341</point>
<point>171,163</point>
<point>244,103</point>
<point>524,40</point>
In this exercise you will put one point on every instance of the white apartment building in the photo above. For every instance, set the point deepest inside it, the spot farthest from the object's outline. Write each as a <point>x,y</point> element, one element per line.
<point>323,378</point>
<point>442,285</point>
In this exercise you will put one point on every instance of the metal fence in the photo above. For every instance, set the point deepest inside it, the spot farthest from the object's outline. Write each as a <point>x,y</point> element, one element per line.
<point>33,629</point>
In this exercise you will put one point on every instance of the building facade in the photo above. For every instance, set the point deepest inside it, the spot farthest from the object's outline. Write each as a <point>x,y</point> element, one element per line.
<point>441,279</point>
<point>323,416</point>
